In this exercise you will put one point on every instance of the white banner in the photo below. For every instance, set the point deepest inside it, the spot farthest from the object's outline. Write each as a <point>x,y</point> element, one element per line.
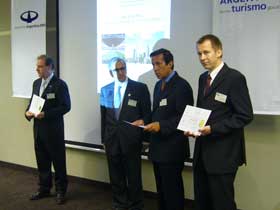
<point>250,32</point>
<point>28,41</point>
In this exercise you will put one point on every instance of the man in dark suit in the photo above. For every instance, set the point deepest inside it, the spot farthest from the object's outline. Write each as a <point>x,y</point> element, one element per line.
<point>123,101</point>
<point>220,148</point>
<point>49,129</point>
<point>168,146</point>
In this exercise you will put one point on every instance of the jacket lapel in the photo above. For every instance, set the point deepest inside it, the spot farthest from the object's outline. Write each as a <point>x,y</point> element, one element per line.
<point>159,95</point>
<point>169,85</point>
<point>217,81</point>
<point>126,96</point>
<point>49,86</point>
<point>37,87</point>
<point>127,91</point>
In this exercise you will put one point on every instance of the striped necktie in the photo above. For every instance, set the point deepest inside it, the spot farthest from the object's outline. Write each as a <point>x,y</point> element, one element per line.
<point>207,84</point>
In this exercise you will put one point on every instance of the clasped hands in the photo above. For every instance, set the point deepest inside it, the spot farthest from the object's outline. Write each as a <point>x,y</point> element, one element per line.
<point>204,131</point>
<point>31,115</point>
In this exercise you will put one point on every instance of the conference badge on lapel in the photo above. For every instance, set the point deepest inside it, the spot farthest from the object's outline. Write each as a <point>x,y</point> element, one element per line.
<point>50,96</point>
<point>221,97</point>
<point>163,102</point>
<point>132,102</point>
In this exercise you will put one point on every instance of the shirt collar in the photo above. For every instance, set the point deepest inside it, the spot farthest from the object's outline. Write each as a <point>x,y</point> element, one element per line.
<point>169,77</point>
<point>122,84</point>
<point>214,73</point>
<point>48,79</point>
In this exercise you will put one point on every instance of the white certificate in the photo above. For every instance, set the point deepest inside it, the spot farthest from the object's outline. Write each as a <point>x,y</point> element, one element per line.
<point>193,119</point>
<point>130,123</point>
<point>36,105</point>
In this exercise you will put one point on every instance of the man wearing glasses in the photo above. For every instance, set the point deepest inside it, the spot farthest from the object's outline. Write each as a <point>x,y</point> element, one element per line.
<point>124,101</point>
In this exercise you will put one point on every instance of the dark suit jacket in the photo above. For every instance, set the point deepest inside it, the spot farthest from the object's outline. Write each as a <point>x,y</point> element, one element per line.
<point>170,145</point>
<point>56,105</point>
<point>224,149</point>
<point>115,134</point>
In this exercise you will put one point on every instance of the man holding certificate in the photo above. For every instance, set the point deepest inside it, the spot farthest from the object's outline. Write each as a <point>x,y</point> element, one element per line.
<point>50,101</point>
<point>168,146</point>
<point>220,145</point>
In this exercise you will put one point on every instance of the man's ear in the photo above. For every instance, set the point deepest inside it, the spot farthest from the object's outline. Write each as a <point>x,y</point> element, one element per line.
<point>170,64</point>
<point>219,53</point>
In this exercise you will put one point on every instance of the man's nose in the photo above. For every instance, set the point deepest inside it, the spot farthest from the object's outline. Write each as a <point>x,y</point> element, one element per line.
<point>155,67</point>
<point>202,57</point>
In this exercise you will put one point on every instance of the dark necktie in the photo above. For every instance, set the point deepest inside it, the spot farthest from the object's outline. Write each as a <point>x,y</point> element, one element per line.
<point>207,84</point>
<point>163,84</point>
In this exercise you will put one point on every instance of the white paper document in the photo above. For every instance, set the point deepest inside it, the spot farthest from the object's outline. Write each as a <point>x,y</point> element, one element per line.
<point>36,105</point>
<point>140,126</point>
<point>193,119</point>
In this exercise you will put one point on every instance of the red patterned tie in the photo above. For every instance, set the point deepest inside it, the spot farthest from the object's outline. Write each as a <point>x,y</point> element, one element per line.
<point>207,84</point>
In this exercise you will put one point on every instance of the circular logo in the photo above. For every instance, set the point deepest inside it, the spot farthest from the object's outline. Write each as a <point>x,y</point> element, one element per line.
<point>29,16</point>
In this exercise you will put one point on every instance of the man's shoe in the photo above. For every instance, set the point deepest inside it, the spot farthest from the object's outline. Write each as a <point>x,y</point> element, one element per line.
<point>39,195</point>
<point>60,198</point>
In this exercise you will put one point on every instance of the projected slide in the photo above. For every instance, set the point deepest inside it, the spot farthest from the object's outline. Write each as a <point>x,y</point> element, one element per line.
<point>129,29</point>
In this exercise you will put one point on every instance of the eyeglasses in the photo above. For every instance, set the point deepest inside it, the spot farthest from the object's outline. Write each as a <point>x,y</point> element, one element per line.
<point>120,69</point>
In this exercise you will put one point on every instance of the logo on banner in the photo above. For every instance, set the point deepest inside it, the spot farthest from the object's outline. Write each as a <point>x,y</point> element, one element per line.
<point>29,16</point>
<point>241,6</point>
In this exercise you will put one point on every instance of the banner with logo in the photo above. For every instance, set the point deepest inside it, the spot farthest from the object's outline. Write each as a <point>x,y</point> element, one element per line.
<point>250,32</point>
<point>28,37</point>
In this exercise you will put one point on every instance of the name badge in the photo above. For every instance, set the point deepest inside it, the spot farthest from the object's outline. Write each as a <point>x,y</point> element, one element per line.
<point>220,97</point>
<point>132,102</point>
<point>50,96</point>
<point>163,102</point>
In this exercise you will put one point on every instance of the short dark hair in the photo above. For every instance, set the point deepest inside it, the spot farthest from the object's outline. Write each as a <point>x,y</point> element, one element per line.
<point>48,60</point>
<point>215,41</point>
<point>113,61</point>
<point>167,55</point>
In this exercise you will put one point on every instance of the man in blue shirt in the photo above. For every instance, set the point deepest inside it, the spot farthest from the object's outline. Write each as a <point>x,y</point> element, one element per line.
<point>168,146</point>
<point>124,100</point>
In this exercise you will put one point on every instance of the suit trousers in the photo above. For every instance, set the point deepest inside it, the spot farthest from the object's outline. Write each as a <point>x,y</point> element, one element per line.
<point>169,183</point>
<point>47,152</point>
<point>126,181</point>
<point>213,191</point>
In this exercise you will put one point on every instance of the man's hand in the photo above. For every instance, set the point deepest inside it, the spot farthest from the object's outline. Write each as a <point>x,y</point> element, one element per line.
<point>138,123</point>
<point>204,131</point>
<point>190,134</point>
<point>41,115</point>
<point>153,127</point>
<point>29,115</point>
